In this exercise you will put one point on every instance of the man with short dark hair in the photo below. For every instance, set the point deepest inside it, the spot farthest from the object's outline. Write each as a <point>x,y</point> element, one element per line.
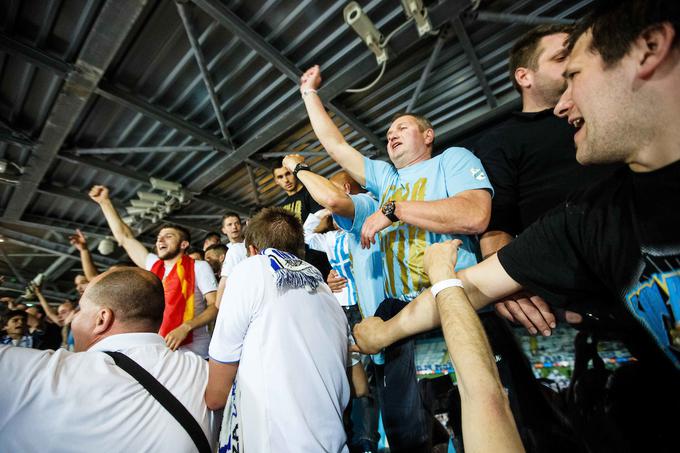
<point>93,404</point>
<point>189,284</point>
<point>612,250</point>
<point>232,228</point>
<point>211,238</point>
<point>215,255</point>
<point>287,338</point>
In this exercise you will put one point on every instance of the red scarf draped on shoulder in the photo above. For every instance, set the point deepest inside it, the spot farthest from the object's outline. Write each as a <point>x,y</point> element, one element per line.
<point>179,294</point>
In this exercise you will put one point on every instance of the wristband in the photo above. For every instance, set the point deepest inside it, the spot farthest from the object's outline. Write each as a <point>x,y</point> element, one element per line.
<point>442,285</point>
<point>299,167</point>
<point>306,91</point>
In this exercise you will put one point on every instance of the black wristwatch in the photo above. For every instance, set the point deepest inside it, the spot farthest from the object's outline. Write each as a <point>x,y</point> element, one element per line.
<point>388,209</point>
<point>300,166</point>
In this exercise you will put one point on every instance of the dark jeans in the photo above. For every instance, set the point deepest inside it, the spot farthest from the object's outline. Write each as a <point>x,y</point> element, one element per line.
<point>407,423</point>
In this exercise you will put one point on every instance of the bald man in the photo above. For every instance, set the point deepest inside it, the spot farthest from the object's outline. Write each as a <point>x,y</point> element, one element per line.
<point>92,403</point>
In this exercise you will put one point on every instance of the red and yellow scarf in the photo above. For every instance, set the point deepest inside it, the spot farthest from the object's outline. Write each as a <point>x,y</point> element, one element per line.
<point>178,287</point>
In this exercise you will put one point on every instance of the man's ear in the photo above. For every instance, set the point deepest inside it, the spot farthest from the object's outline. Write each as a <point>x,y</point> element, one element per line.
<point>524,77</point>
<point>184,245</point>
<point>429,136</point>
<point>652,48</point>
<point>104,320</point>
<point>252,250</point>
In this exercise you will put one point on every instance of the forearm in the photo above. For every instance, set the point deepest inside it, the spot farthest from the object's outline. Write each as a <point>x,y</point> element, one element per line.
<point>493,241</point>
<point>455,215</point>
<point>220,291</point>
<point>88,266</point>
<point>483,399</point>
<point>207,316</point>
<point>49,312</point>
<point>332,139</point>
<point>327,194</point>
<point>135,249</point>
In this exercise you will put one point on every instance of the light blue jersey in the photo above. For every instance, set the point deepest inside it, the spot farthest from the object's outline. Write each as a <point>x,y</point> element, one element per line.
<point>367,264</point>
<point>403,246</point>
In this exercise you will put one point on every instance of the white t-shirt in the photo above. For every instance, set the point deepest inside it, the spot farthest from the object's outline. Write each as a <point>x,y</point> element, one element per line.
<point>236,253</point>
<point>61,401</point>
<point>292,349</point>
<point>204,283</point>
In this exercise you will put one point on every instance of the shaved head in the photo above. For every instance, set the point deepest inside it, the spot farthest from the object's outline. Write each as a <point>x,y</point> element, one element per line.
<point>344,180</point>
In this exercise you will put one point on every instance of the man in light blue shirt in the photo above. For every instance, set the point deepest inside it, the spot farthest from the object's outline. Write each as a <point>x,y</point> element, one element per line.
<point>423,200</point>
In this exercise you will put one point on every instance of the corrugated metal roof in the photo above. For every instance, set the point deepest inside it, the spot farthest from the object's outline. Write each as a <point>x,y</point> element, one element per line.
<point>151,115</point>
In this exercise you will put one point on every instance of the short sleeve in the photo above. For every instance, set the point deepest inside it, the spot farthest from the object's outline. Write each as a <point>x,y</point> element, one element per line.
<point>464,171</point>
<point>314,240</point>
<point>378,175</point>
<point>205,279</point>
<point>364,206</point>
<point>151,259</point>
<point>235,255</point>
<point>553,258</point>
<point>239,305</point>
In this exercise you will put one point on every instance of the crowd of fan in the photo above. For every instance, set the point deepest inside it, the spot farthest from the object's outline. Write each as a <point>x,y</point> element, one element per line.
<point>392,250</point>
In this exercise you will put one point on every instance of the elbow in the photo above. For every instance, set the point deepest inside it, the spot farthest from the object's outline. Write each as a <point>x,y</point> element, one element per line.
<point>215,400</point>
<point>478,223</point>
<point>333,203</point>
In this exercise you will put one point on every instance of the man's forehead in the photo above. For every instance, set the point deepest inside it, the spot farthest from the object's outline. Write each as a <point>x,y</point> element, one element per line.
<point>280,171</point>
<point>549,44</point>
<point>165,231</point>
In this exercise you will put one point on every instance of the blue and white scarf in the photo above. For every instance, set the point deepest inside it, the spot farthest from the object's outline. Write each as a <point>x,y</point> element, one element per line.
<point>291,272</point>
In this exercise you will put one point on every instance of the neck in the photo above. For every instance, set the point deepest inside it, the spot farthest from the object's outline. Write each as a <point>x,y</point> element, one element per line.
<point>421,157</point>
<point>530,105</point>
<point>237,241</point>
<point>295,190</point>
<point>15,336</point>
<point>171,262</point>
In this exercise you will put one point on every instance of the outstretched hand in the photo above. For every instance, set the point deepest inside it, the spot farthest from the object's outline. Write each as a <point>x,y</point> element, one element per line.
<point>78,240</point>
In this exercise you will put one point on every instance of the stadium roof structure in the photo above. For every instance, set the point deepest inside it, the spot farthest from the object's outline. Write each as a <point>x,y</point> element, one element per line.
<point>204,94</point>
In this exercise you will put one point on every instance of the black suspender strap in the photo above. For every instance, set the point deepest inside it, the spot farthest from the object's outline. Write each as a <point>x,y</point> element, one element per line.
<point>167,399</point>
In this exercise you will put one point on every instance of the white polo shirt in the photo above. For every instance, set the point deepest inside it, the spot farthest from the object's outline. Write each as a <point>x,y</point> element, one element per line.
<point>237,252</point>
<point>292,351</point>
<point>61,401</point>
<point>204,283</point>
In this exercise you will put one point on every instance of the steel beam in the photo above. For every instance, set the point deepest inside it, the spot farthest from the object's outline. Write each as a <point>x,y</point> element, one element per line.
<point>38,243</point>
<point>127,99</point>
<point>15,138</point>
<point>469,50</point>
<point>509,18</point>
<point>441,39</point>
<point>65,227</point>
<point>239,28</point>
<point>114,22</point>
<point>35,56</point>
<point>13,268</point>
<point>361,67</point>
<point>184,14</point>
<point>137,149</point>
<point>253,184</point>
<point>10,286</point>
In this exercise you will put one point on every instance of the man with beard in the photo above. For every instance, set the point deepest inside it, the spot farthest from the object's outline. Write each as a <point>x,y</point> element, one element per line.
<point>189,285</point>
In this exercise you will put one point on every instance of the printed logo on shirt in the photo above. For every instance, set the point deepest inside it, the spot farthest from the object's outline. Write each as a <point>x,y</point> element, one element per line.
<point>295,207</point>
<point>478,174</point>
<point>655,302</point>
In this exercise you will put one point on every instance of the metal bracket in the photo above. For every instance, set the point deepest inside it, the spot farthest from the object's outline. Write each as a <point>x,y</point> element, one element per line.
<point>414,9</point>
<point>364,27</point>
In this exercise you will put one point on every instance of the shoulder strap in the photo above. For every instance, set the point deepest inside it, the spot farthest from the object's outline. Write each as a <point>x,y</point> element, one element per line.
<point>167,399</point>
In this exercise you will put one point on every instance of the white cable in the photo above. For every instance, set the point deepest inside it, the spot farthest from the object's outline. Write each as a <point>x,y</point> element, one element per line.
<point>384,65</point>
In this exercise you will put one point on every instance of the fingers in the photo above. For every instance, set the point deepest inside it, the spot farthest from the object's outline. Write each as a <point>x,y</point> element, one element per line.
<point>503,312</point>
<point>520,317</point>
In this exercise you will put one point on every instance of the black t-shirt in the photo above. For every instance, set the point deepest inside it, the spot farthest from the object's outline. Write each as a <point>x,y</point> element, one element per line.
<point>531,162</point>
<point>301,204</point>
<point>612,251</point>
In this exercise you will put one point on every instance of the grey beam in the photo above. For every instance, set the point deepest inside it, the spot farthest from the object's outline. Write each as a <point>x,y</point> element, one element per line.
<point>441,39</point>
<point>276,154</point>
<point>361,67</point>
<point>13,137</point>
<point>34,56</point>
<point>239,28</point>
<point>13,268</point>
<point>127,99</point>
<point>143,178</point>
<point>137,149</point>
<point>184,14</point>
<point>73,195</point>
<point>509,18</point>
<point>38,243</point>
<point>107,35</point>
<point>253,184</point>
<point>10,286</point>
<point>64,227</point>
<point>469,50</point>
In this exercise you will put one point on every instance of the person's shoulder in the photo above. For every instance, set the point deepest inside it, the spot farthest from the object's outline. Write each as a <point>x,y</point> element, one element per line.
<point>454,152</point>
<point>202,266</point>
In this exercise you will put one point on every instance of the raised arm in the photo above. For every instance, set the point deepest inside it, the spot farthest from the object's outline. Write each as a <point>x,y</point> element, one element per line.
<point>79,241</point>
<point>321,189</point>
<point>135,249</point>
<point>351,160</point>
<point>49,311</point>
<point>483,398</point>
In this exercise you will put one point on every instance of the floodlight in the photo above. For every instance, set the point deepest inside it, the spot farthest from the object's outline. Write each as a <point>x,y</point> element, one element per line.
<point>167,186</point>
<point>363,26</point>
<point>150,196</point>
<point>416,10</point>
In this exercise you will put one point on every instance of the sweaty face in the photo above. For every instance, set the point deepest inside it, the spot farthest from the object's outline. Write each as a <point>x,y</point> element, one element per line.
<point>232,227</point>
<point>15,326</point>
<point>548,81</point>
<point>406,143</point>
<point>168,243</point>
<point>599,106</point>
<point>286,180</point>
